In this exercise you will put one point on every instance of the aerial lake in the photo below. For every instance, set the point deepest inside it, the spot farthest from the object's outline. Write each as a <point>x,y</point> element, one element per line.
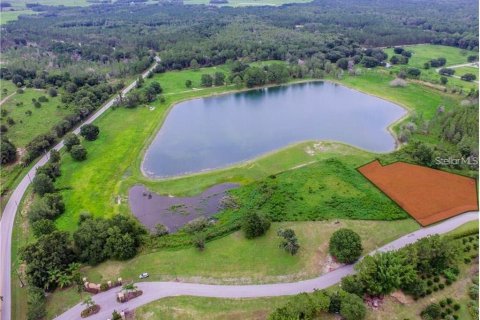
<point>216,132</point>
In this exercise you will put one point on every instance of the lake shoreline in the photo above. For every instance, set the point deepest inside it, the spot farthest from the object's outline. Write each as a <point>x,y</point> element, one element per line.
<point>148,143</point>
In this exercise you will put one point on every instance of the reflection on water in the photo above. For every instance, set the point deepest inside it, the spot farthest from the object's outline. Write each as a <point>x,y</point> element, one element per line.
<point>216,132</point>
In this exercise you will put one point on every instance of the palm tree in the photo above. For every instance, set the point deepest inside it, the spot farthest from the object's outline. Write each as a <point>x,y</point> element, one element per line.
<point>130,287</point>
<point>89,302</point>
<point>64,280</point>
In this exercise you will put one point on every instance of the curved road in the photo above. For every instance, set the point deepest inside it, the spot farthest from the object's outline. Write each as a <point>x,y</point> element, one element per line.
<point>8,215</point>
<point>156,290</point>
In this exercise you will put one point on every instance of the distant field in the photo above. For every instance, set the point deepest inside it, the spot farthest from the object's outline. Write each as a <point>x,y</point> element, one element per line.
<point>19,7</point>
<point>425,52</point>
<point>244,3</point>
<point>41,120</point>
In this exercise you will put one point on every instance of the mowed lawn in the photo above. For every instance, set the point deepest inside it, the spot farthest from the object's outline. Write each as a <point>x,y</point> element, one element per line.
<point>423,53</point>
<point>235,259</point>
<point>41,120</point>
<point>462,70</point>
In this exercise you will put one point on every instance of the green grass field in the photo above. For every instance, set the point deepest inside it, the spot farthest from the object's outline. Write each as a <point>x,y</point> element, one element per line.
<point>19,7</point>
<point>41,120</point>
<point>462,70</point>
<point>234,259</point>
<point>189,308</point>
<point>425,52</point>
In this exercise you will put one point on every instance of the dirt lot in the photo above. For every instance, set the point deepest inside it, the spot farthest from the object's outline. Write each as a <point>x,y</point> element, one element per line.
<point>428,195</point>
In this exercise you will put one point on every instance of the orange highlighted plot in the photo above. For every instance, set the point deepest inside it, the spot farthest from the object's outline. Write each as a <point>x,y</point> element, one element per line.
<point>428,195</point>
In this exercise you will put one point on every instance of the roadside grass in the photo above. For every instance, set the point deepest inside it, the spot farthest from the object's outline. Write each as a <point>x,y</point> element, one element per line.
<point>20,237</point>
<point>425,52</point>
<point>235,259</point>
<point>63,299</point>
<point>189,308</point>
<point>26,127</point>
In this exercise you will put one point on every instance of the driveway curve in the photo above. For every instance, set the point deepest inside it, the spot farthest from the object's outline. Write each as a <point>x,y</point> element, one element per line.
<point>8,215</point>
<point>156,290</point>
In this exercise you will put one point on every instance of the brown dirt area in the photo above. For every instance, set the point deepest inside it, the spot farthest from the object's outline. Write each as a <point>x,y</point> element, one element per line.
<point>428,195</point>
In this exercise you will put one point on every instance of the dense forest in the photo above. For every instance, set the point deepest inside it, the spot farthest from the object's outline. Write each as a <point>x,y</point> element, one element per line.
<point>107,34</point>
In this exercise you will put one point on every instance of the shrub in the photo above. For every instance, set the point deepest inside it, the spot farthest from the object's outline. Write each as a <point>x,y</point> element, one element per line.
<point>89,132</point>
<point>42,99</point>
<point>448,310</point>
<point>352,307</point>
<point>78,152</point>
<point>104,286</point>
<point>441,286</point>
<point>432,311</point>
<point>345,245</point>
<point>42,184</point>
<point>36,303</point>
<point>429,282</point>
<point>255,225</point>
<point>196,225</point>
<point>443,303</point>
<point>352,284</point>
<point>43,227</point>
<point>70,140</point>
<point>456,306</point>
<point>8,151</point>
<point>289,242</point>
<point>398,82</point>
<point>448,282</point>
<point>449,301</point>
<point>428,291</point>
<point>160,230</point>
<point>199,241</point>
<point>435,288</point>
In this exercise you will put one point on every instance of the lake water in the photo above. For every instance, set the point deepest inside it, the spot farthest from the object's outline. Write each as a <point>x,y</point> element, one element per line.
<point>216,132</point>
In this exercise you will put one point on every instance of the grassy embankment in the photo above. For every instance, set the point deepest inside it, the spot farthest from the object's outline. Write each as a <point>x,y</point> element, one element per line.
<point>427,52</point>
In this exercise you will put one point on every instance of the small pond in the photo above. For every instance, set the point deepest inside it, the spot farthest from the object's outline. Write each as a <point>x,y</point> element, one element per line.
<point>174,212</point>
<point>215,132</point>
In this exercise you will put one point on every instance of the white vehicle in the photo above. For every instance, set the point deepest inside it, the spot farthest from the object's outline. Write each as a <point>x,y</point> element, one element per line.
<point>143,275</point>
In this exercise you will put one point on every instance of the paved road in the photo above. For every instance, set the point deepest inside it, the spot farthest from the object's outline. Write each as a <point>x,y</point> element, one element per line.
<point>157,290</point>
<point>8,216</point>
